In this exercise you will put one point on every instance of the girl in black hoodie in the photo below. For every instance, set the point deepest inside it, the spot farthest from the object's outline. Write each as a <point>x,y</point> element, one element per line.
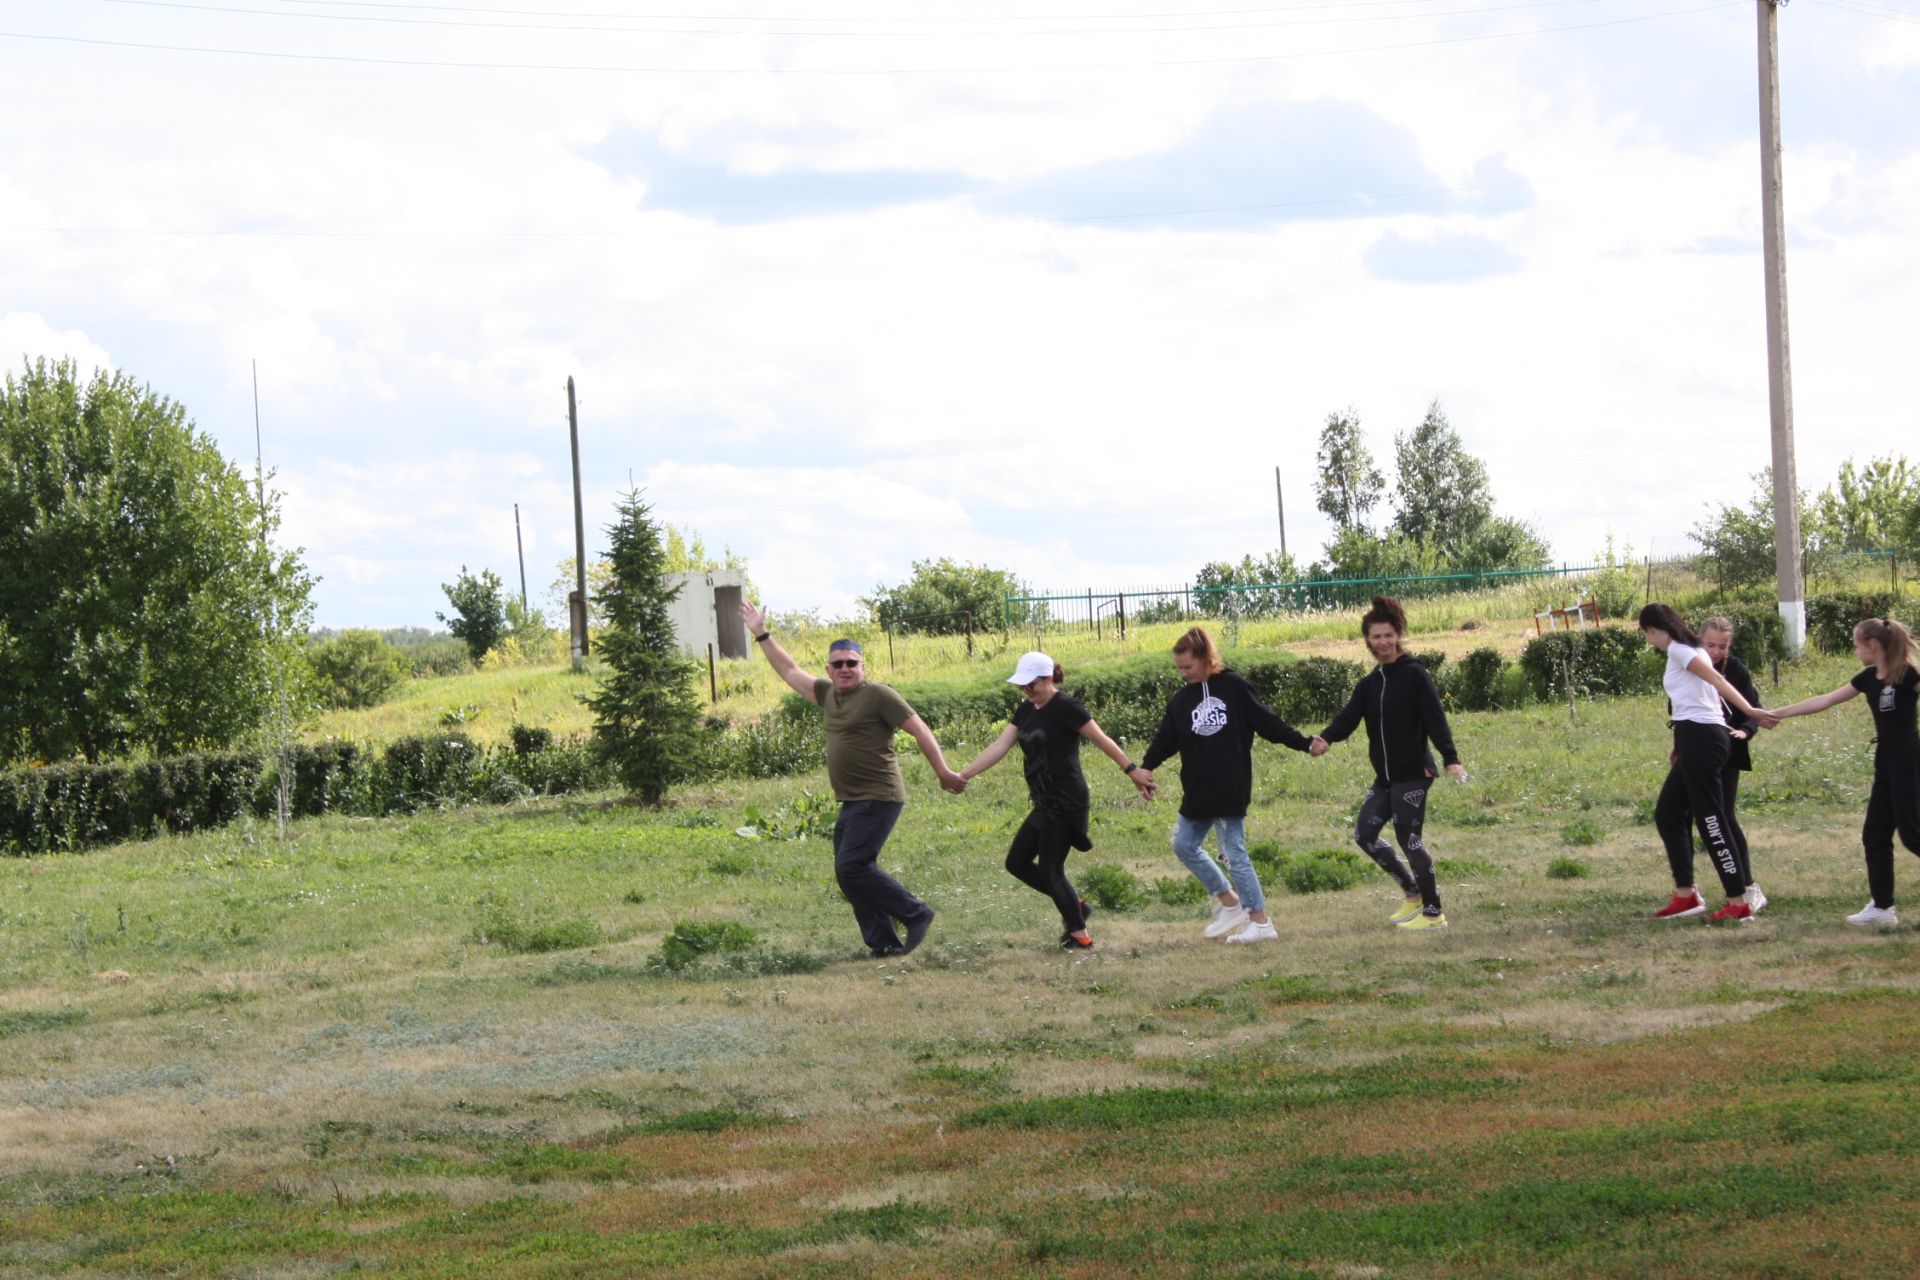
<point>1402,711</point>
<point>1210,724</point>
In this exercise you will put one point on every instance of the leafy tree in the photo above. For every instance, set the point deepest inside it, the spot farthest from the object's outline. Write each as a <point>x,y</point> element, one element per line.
<point>1441,493</point>
<point>646,719</point>
<point>1349,482</point>
<point>686,553</point>
<point>142,603</point>
<point>356,668</point>
<point>1738,541</point>
<point>940,591</point>
<point>1869,509</point>
<point>1502,542</point>
<point>599,579</point>
<point>479,612</point>
<point>1267,570</point>
<point>1359,554</point>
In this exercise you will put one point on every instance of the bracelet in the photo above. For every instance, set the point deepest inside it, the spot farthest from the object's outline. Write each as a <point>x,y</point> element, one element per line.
<point>1128,767</point>
<point>763,637</point>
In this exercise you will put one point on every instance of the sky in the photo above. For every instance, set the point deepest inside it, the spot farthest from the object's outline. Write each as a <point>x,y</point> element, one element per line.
<point>1053,287</point>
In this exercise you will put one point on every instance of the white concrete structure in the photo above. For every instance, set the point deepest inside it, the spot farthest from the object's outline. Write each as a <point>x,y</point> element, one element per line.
<point>707,612</point>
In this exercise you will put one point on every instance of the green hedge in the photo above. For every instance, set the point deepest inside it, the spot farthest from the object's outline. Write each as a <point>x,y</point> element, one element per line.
<point>1832,618</point>
<point>1598,662</point>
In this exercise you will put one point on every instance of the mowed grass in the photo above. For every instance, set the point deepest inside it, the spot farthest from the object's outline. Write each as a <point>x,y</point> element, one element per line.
<point>227,1056</point>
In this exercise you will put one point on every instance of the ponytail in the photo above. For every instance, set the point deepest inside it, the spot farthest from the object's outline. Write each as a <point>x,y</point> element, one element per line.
<point>1200,645</point>
<point>1895,641</point>
<point>1661,617</point>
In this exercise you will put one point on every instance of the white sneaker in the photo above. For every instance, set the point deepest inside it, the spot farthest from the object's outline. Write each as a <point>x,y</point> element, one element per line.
<point>1871,914</point>
<point>1756,900</point>
<point>1225,920</point>
<point>1256,932</point>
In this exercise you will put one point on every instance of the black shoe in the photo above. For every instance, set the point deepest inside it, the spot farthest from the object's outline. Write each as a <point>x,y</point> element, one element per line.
<point>917,932</point>
<point>881,953</point>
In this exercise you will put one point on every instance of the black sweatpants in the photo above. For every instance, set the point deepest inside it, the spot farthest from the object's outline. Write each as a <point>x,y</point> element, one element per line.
<point>1694,796</point>
<point>1729,802</point>
<point>1893,807</point>
<point>1406,804</point>
<point>859,834</point>
<point>1038,858</point>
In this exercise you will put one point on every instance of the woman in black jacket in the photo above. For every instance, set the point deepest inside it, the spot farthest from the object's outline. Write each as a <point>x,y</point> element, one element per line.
<point>1716,637</point>
<point>1211,725</point>
<point>1402,711</point>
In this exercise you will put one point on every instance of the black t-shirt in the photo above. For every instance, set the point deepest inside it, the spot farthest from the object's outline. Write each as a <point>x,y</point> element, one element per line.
<point>1893,709</point>
<point>1050,741</point>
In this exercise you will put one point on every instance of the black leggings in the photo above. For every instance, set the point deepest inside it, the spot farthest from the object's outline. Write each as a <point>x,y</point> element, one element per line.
<point>1729,798</point>
<point>1038,858</point>
<point>1406,804</point>
<point>1694,791</point>
<point>1893,807</point>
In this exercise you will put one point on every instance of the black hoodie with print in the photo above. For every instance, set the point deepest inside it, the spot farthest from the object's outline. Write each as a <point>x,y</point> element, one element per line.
<point>1402,710</point>
<point>1211,726</point>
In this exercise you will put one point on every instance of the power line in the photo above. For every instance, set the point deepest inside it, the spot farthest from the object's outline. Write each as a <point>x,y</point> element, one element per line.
<point>1475,11</point>
<point>1891,15</point>
<point>588,68</point>
<point>863,18</point>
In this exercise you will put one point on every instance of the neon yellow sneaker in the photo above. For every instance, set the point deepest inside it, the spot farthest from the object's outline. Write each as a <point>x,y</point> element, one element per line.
<point>1408,910</point>
<point>1424,921</point>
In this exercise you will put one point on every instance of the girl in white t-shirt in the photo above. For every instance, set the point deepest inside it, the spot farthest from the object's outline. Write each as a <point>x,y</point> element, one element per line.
<point>1700,747</point>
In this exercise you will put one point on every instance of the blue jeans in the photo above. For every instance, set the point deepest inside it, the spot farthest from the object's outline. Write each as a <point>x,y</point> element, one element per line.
<point>1190,833</point>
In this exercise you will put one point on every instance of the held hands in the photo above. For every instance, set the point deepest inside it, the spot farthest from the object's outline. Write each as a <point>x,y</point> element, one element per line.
<point>1319,746</point>
<point>954,782</point>
<point>1768,719</point>
<point>1142,780</point>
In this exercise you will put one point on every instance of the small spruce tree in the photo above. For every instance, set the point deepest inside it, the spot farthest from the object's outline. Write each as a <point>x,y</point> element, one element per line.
<point>646,719</point>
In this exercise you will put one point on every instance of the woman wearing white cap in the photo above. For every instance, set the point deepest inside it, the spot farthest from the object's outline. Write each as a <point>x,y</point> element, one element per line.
<point>1049,726</point>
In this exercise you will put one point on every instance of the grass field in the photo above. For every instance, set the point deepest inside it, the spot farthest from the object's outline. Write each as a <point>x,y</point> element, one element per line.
<point>446,1045</point>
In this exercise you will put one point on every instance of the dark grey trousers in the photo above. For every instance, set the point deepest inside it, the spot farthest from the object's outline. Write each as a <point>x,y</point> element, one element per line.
<point>1405,804</point>
<point>859,834</point>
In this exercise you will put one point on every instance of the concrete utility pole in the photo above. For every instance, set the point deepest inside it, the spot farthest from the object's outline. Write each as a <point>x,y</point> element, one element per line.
<point>577,605</point>
<point>1786,487</point>
<point>520,549</point>
<point>1282,504</point>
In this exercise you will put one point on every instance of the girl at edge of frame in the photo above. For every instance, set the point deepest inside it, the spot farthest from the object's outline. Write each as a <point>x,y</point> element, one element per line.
<point>1716,637</point>
<point>1892,686</point>
<point>1698,762</point>
<point>1049,726</point>
<point>1210,724</point>
<point>1402,717</point>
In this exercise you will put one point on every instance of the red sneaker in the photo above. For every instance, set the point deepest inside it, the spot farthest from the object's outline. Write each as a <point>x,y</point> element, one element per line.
<point>1686,902</point>
<point>1735,910</point>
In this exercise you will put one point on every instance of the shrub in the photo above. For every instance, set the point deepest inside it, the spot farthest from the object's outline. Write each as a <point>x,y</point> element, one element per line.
<point>1582,831</point>
<point>356,668</point>
<point>1476,681</point>
<point>1832,618</point>
<point>1599,662</point>
<point>1566,868</point>
<point>1178,891</point>
<point>501,925</point>
<point>1113,888</point>
<point>526,739</point>
<point>1324,871</point>
<point>1759,633</point>
<point>420,771</point>
<point>692,939</point>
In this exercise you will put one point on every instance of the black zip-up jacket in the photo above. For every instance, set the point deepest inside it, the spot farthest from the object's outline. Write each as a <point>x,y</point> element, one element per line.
<point>1402,710</point>
<point>1741,754</point>
<point>1211,726</point>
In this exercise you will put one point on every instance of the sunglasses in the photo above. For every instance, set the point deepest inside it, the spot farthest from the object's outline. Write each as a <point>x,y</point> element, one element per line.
<point>844,664</point>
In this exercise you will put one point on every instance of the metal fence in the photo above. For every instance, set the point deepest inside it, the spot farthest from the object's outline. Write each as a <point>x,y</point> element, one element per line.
<point>1111,612</point>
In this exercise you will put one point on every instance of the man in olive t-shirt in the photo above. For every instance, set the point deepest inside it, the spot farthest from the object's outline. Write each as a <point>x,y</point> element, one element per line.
<point>861,719</point>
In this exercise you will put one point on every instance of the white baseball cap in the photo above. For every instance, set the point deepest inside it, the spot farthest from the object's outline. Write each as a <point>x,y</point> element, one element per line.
<point>1033,666</point>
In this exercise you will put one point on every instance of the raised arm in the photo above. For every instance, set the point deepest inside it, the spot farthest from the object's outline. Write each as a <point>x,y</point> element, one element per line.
<point>799,679</point>
<point>995,751</point>
<point>1819,702</point>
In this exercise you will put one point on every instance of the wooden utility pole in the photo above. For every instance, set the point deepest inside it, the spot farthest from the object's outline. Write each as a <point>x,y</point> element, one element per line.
<point>1786,487</point>
<point>577,605</point>
<point>1282,504</point>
